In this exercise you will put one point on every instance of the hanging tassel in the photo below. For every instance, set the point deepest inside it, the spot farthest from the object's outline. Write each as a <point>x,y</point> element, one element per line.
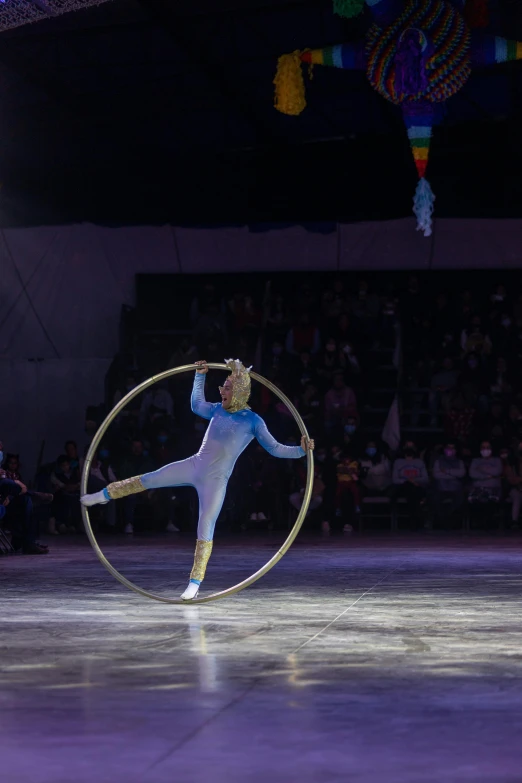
<point>289,85</point>
<point>476,13</point>
<point>423,206</point>
<point>348,8</point>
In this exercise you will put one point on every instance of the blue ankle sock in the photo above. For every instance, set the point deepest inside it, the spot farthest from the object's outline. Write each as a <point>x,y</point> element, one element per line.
<point>195,582</point>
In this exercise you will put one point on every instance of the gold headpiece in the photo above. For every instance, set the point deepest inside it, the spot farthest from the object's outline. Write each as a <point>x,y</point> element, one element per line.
<point>240,377</point>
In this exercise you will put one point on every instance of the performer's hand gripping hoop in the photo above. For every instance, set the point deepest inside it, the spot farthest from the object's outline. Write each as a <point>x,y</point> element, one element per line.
<point>278,555</point>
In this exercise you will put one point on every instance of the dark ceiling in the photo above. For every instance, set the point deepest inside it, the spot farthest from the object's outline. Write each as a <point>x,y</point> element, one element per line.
<point>152,111</point>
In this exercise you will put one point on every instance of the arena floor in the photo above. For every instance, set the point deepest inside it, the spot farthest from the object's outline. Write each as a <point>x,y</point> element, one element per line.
<point>354,660</point>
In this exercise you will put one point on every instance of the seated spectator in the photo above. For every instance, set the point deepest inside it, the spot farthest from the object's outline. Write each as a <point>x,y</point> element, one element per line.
<point>157,405</point>
<point>309,405</point>
<point>496,427</point>
<point>443,381</point>
<point>329,362</point>
<point>333,304</point>
<point>327,465</point>
<point>486,472</point>
<point>500,382</point>
<point>303,336</point>
<point>305,372</point>
<point>460,418</point>
<point>375,471</point>
<point>66,485</point>
<point>448,474</point>
<point>277,320</point>
<point>345,331</point>
<point>210,328</point>
<point>339,404</point>
<point>296,498</point>
<point>515,423</point>
<point>513,476</point>
<point>136,463</point>
<point>262,479</point>
<point>473,383</point>
<point>351,362</point>
<point>18,514</point>
<point>474,339</point>
<point>347,495</point>
<point>124,388</point>
<point>244,313</point>
<point>276,360</point>
<point>185,353</point>
<point>71,452</point>
<point>410,479</point>
<point>365,309</point>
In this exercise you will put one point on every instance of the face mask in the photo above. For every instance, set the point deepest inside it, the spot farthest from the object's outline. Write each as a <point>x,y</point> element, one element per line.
<point>321,457</point>
<point>449,452</point>
<point>277,350</point>
<point>162,439</point>
<point>349,429</point>
<point>472,363</point>
<point>104,453</point>
<point>506,322</point>
<point>347,350</point>
<point>497,298</point>
<point>486,453</point>
<point>129,387</point>
<point>371,452</point>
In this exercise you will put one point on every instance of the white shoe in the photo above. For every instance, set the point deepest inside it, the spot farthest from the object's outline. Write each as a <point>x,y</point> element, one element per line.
<point>261,516</point>
<point>253,517</point>
<point>129,529</point>
<point>348,529</point>
<point>191,592</point>
<point>94,499</point>
<point>171,528</point>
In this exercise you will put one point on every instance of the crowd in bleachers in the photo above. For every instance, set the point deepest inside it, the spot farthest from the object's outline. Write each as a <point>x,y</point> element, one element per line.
<point>454,452</point>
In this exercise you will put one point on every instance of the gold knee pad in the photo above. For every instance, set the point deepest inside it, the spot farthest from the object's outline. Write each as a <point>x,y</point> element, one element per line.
<point>119,489</point>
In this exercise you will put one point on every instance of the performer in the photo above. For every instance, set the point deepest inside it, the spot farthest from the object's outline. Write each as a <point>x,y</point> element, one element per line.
<point>233,425</point>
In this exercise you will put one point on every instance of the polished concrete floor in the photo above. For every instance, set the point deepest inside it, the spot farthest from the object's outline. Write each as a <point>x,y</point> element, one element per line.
<point>354,660</point>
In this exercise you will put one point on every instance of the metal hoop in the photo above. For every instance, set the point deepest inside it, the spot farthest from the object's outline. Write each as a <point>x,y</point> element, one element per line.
<point>273,560</point>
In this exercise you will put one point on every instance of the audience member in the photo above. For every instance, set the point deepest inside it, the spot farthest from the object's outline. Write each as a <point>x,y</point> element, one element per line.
<point>316,500</point>
<point>513,475</point>
<point>375,471</point>
<point>65,480</point>
<point>303,336</point>
<point>136,463</point>
<point>411,481</point>
<point>449,472</point>
<point>486,473</point>
<point>339,404</point>
<point>18,514</point>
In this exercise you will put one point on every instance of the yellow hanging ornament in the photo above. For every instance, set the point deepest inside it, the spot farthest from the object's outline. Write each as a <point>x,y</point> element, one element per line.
<point>289,84</point>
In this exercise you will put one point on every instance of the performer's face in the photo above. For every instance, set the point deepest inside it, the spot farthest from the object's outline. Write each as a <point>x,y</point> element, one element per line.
<point>226,393</point>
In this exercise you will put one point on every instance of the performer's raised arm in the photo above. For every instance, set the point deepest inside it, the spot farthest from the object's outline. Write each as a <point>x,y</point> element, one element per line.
<point>276,449</point>
<point>198,402</point>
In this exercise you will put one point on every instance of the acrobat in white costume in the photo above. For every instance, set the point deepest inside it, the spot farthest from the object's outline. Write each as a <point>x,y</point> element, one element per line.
<point>233,425</point>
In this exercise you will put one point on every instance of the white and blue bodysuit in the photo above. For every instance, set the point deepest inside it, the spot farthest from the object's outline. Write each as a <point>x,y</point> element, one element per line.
<point>227,436</point>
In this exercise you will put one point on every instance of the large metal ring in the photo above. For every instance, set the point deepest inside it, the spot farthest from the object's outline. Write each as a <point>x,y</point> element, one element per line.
<point>258,574</point>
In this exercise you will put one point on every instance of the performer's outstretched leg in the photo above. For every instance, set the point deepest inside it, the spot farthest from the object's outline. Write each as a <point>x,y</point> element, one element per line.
<point>211,496</point>
<point>176,474</point>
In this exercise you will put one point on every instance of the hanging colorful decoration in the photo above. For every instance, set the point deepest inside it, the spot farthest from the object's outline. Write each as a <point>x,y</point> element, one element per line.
<point>416,55</point>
